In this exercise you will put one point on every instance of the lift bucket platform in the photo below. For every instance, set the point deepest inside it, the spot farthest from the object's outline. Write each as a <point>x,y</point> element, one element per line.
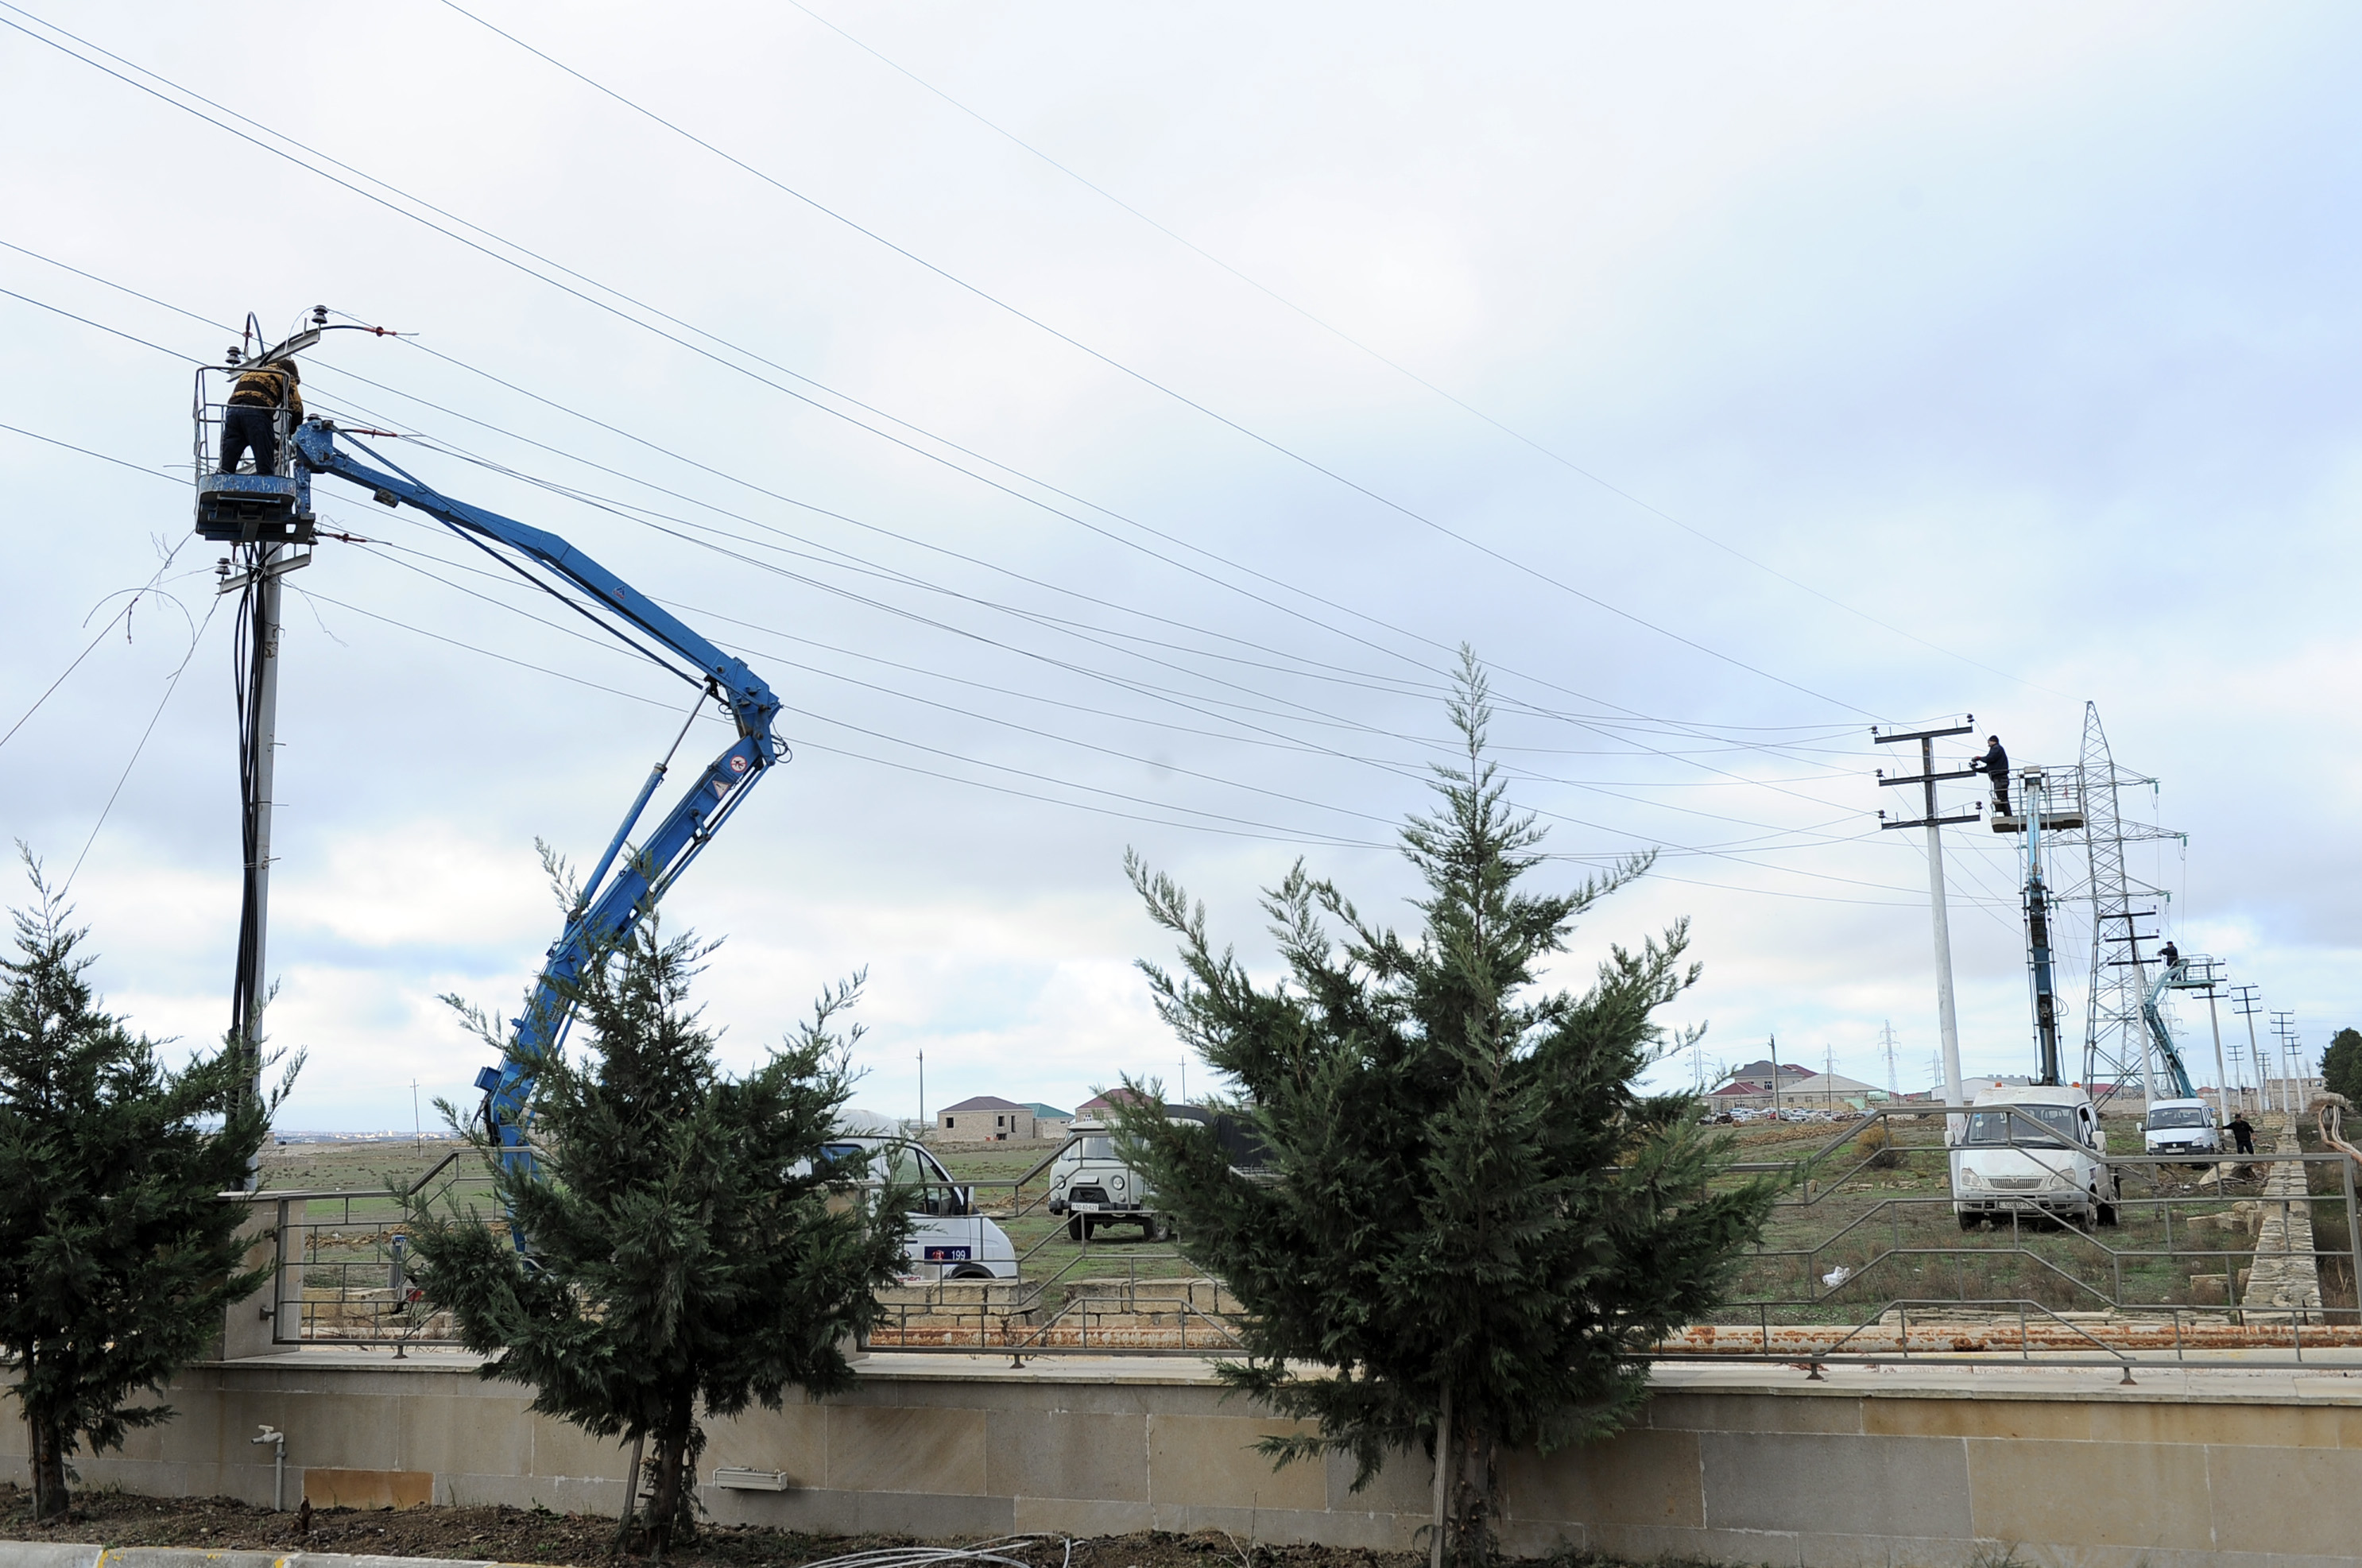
<point>255,508</point>
<point>2052,822</point>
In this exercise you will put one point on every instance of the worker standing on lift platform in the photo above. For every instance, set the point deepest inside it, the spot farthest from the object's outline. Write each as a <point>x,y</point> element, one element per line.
<point>1994,764</point>
<point>250,423</point>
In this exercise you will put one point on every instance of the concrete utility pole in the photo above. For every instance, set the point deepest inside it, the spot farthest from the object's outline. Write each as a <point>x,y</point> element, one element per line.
<point>261,566</point>
<point>1947,1022</point>
<point>2284,1030</point>
<point>2243,1001</point>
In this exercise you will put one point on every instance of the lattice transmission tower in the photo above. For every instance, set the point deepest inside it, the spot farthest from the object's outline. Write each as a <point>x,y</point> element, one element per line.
<point>2117,1051</point>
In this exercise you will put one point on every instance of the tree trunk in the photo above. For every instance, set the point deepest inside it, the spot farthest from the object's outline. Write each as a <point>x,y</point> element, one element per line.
<point>51,1498</point>
<point>1442,1480</point>
<point>672,1451</point>
<point>1468,1517</point>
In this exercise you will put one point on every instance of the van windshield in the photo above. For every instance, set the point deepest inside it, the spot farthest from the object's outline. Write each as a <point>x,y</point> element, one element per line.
<point>2001,1126</point>
<point>2179,1116</point>
<point>1098,1148</point>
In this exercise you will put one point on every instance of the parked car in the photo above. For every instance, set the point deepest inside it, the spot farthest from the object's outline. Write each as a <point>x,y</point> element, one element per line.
<point>948,1239</point>
<point>2032,1149</point>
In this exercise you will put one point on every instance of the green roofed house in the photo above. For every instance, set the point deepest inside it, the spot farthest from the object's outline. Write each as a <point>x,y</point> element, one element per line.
<point>1049,1122</point>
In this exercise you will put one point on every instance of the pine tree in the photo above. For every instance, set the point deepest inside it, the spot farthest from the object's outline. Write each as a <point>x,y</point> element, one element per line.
<point>1479,1223</point>
<point>690,1246</point>
<point>117,1253</point>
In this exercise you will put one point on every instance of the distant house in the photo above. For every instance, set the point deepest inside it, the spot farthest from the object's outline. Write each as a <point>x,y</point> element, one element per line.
<point>1096,1107</point>
<point>1752,1085</point>
<point>1049,1122</point>
<point>986,1118</point>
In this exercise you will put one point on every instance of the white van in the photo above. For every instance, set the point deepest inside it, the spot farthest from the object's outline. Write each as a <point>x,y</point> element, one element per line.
<point>2181,1127</point>
<point>2032,1149</point>
<point>948,1239</point>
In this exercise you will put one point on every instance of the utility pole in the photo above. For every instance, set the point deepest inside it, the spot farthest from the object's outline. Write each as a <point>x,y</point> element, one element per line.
<point>2284,1030</point>
<point>922,1091</point>
<point>2243,1001</point>
<point>1828,1077</point>
<point>1775,1042</point>
<point>1947,1022</point>
<point>261,568</point>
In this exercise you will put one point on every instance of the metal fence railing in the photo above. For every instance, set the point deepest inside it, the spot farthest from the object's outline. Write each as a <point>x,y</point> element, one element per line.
<point>1864,1258</point>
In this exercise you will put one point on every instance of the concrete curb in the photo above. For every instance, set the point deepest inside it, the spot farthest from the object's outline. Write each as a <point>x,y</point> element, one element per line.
<point>64,1555</point>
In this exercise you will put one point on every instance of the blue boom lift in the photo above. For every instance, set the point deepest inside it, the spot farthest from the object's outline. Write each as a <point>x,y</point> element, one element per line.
<point>261,510</point>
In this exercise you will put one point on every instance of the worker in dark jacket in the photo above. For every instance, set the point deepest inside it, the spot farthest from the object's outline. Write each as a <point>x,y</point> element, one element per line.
<point>2171,955</point>
<point>2242,1132</point>
<point>251,421</point>
<point>1994,764</point>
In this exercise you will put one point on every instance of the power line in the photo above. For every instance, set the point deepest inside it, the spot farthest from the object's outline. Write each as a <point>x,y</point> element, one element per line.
<point>742,370</point>
<point>1588,721</point>
<point>1348,338</point>
<point>1147,380</point>
<point>1594,827</point>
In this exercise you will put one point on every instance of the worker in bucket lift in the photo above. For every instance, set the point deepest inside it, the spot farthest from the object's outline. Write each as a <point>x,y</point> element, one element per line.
<point>2171,956</point>
<point>1994,764</point>
<point>251,422</point>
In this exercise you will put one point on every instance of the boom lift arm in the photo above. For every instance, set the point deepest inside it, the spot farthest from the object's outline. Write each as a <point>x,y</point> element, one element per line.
<point>609,907</point>
<point>2162,1037</point>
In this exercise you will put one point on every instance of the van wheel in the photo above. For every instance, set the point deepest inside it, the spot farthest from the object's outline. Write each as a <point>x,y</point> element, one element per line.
<point>1075,1229</point>
<point>2107,1214</point>
<point>971,1271</point>
<point>1161,1228</point>
<point>1967,1220</point>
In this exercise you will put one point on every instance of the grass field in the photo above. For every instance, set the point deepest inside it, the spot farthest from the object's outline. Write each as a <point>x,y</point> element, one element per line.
<point>1890,1226</point>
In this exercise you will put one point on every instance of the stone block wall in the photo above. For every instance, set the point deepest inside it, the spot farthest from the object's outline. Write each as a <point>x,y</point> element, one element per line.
<point>1936,1466</point>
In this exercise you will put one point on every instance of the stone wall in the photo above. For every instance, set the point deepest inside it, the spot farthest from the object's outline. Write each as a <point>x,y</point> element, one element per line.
<point>1908,1466</point>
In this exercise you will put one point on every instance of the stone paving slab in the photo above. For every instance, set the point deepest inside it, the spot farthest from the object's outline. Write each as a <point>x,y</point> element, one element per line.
<point>2285,1282</point>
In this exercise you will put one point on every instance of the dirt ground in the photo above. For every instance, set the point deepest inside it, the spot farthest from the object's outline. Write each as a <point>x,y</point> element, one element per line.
<point>537,1535</point>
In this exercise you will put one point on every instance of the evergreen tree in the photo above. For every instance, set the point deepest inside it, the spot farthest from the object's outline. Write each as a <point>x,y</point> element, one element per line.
<point>2341,1066</point>
<point>686,1243</point>
<point>1479,1224</point>
<point>117,1253</point>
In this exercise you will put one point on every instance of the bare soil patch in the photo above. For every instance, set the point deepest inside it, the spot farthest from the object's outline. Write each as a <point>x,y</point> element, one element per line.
<point>538,1535</point>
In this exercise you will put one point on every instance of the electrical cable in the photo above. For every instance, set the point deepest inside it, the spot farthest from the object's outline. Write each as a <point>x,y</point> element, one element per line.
<point>790,391</point>
<point>546,588</point>
<point>1592,721</point>
<point>1453,398</point>
<point>1716,852</point>
<point>1150,381</point>
<point>170,686</point>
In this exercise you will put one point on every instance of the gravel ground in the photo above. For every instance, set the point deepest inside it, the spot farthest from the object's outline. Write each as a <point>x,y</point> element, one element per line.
<point>535,1535</point>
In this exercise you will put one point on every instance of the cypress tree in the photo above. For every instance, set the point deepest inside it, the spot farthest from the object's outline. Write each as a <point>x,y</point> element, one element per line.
<point>1479,1223</point>
<point>117,1253</point>
<point>688,1247</point>
<point>2341,1065</point>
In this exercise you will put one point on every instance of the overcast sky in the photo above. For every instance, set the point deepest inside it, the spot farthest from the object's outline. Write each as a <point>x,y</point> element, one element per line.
<point>1101,424</point>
